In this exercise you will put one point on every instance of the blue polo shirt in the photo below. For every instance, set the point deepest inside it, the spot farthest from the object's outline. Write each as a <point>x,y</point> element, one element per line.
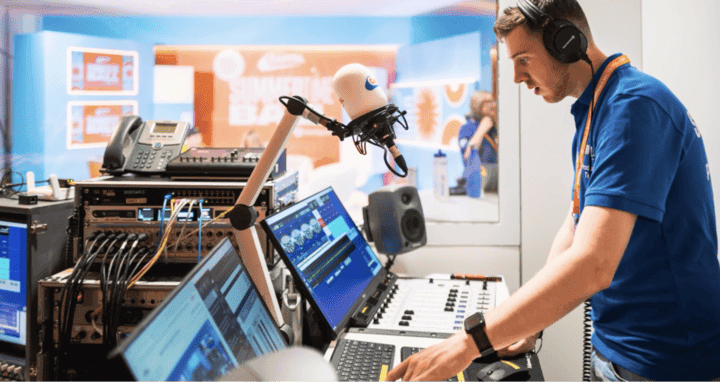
<point>660,317</point>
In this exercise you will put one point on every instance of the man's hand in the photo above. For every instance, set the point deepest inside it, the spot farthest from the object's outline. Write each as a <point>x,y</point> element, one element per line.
<point>438,362</point>
<point>522,346</point>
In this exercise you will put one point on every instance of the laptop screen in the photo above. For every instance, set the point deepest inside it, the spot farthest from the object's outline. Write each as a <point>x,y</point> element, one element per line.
<point>324,248</point>
<point>213,321</point>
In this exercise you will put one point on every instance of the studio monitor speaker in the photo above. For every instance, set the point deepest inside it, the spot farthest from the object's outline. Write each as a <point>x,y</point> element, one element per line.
<point>394,220</point>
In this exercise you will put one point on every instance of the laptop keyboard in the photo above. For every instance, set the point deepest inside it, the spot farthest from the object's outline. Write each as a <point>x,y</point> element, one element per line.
<point>407,351</point>
<point>362,361</point>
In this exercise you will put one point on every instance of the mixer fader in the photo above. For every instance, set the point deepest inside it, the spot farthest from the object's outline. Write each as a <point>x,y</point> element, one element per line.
<point>437,305</point>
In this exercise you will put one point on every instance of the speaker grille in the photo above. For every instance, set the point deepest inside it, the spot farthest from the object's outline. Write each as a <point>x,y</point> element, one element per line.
<point>413,226</point>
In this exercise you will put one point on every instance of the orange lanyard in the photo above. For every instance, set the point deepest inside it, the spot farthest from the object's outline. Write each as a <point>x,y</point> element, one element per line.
<point>609,70</point>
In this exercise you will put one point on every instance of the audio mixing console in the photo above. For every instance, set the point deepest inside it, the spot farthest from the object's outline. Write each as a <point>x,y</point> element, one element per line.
<point>437,305</point>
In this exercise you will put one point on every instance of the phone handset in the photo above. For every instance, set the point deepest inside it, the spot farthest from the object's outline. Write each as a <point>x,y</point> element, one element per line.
<point>117,152</point>
<point>143,147</point>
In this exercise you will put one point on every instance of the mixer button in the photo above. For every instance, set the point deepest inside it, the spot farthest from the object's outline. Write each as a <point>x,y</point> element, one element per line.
<point>409,312</point>
<point>450,304</point>
<point>448,309</point>
<point>376,321</point>
<point>404,323</point>
<point>409,318</point>
<point>451,299</point>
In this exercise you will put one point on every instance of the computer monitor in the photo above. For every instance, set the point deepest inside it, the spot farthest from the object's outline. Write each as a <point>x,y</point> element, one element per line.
<point>323,247</point>
<point>13,282</point>
<point>212,322</point>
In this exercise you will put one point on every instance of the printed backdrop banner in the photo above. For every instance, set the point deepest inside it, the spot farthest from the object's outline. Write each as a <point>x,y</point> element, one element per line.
<point>91,123</point>
<point>435,113</point>
<point>237,91</point>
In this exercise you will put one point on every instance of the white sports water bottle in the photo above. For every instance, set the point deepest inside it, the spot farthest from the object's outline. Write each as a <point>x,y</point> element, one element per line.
<point>440,171</point>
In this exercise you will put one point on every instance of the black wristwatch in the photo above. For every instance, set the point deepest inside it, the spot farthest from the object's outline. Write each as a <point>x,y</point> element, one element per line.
<point>475,326</point>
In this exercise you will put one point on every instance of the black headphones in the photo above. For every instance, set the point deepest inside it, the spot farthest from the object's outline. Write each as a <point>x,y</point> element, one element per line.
<point>562,38</point>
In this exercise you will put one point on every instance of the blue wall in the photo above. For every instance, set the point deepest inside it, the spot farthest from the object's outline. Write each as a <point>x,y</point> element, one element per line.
<point>272,30</point>
<point>239,30</point>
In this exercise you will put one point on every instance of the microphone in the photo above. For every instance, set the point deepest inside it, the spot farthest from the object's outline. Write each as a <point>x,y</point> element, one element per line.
<point>367,106</point>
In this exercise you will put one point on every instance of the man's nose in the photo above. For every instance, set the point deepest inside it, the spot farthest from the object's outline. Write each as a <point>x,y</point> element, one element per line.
<point>519,76</point>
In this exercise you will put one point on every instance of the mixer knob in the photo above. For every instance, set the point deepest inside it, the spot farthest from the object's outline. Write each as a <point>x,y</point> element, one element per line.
<point>409,312</point>
<point>382,310</point>
<point>409,318</point>
<point>448,309</point>
<point>404,323</point>
<point>379,315</point>
<point>376,321</point>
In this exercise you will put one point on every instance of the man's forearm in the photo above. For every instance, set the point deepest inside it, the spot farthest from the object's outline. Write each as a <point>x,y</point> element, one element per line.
<point>564,283</point>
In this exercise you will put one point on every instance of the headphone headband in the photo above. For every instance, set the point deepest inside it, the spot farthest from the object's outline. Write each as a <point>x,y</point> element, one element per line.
<point>532,11</point>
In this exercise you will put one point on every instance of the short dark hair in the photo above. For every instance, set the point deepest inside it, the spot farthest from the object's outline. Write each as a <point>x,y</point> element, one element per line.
<point>569,10</point>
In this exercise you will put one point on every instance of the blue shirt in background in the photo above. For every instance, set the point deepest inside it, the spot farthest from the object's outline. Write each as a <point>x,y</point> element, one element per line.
<point>660,317</point>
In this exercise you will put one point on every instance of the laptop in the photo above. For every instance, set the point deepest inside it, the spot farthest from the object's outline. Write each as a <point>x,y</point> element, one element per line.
<point>343,280</point>
<point>212,322</point>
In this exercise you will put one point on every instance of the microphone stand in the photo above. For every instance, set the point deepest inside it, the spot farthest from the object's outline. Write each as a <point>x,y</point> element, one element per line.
<point>243,214</point>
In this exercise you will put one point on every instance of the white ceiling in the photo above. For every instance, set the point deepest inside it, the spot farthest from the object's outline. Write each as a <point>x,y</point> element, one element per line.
<point>400,8</point>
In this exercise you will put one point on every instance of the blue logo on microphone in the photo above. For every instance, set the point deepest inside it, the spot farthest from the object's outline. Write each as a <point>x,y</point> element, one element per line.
<point>370,83</point>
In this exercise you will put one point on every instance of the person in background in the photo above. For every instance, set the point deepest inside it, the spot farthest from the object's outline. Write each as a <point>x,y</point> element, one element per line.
<point>478,143</point>
<point>193,139</point>
<point>485,141</point>
<point>640,237</point>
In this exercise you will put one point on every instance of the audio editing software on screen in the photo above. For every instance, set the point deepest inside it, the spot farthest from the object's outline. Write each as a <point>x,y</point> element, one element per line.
<point>213,323</point>
<point>326,248</point>
<point>13,276</point>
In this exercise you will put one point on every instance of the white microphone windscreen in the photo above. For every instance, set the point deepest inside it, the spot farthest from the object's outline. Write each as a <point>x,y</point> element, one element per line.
<point>358,90</point>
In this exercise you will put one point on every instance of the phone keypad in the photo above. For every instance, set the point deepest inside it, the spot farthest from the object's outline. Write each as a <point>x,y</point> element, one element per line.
<point>149,160</point>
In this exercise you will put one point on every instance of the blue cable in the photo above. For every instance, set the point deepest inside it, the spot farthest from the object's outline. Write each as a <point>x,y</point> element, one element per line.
<point>162,217</point>
<point>200,230</point>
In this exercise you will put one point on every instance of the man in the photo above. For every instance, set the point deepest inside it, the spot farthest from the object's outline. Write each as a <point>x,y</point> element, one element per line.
<point>642,243</point>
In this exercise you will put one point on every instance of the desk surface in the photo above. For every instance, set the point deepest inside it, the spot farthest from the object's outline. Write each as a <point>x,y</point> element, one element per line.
<point>460,208</point>
<point>11,205</point>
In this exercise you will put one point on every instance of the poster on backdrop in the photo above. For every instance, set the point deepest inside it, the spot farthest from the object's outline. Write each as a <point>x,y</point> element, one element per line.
<point>101,71</point>
<point>92,123</point>
<point>237,91</point>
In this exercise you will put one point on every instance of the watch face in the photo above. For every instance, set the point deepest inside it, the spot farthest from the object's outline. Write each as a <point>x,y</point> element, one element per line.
<point>474,321</point>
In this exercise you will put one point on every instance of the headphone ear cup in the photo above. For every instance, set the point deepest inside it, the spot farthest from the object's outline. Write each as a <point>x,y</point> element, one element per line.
<point>564,41</point>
